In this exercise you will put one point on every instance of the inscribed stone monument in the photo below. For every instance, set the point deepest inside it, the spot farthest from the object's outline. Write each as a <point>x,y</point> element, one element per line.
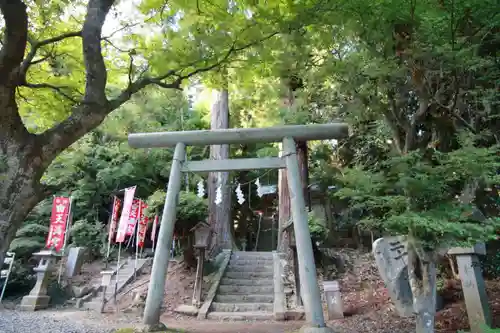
<point>391,257</point>
<point>74,263</point>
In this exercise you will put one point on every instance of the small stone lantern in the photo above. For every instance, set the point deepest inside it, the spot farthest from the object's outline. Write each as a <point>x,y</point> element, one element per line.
<point>202,234</point>
<point>38,298</point>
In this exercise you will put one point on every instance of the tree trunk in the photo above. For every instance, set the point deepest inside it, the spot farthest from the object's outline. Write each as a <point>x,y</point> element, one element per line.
<point>220,215</point>
<point>422,276</point>
<point>19,189</point>
<point>283,193</point>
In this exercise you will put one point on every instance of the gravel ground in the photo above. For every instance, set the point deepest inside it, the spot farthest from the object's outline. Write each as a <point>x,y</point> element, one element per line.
<point>26,322</point>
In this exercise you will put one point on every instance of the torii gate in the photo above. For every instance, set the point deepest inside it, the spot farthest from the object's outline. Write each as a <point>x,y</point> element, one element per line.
<point>287,135</point>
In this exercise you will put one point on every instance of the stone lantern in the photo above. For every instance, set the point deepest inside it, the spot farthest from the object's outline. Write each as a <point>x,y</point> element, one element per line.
<point>202,236</point>
<point>38,298</point>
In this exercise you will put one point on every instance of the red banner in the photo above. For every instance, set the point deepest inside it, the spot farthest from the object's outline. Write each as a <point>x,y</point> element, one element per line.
<point>114,218</point>
<point>143,226</point>
<point>133,217</point>
<point>61,207</point>
<point>124,218</point>
<point>153,231</point>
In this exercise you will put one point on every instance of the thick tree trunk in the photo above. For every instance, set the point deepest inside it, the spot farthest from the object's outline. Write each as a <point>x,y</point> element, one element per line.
<point>283,193</point>
<point>284,212</point>
<point>422,276</point>
<point>220,215</point>
<point>19,189</point>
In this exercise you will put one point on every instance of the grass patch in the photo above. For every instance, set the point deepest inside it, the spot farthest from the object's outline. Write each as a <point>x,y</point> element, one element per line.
<point>133,330</point>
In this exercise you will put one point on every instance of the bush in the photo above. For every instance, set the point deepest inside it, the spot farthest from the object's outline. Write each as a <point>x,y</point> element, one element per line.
<point>21,279</point>
<point>491,265</point>
<point>190,210</point>
<point>319,232</point>
<point>30,238</point>
<point>91,235</point>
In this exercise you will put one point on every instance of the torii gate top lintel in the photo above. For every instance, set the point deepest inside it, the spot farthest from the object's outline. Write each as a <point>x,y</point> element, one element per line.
<point>239,135</point>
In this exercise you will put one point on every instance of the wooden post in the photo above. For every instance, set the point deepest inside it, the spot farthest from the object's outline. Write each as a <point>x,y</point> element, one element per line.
<point>198,284</point>
<point>307,268</point>
<point>156,288</point>
<point>296,274</point>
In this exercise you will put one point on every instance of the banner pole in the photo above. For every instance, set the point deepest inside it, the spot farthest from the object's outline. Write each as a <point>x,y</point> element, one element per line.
<point>117,270</point>
<point>110,231</point>
<point>66,233</point>
<point>137,224</point>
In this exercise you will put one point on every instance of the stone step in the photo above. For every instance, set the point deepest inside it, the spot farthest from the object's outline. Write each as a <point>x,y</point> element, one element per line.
<point>242,307</point>
<point>246,262</point>
<point>246,290</point>
<point>244,298</point>
<point>240,315</point>
<point>249,268</point>
<point>246,282</point>
<point>252,255</point>
<point>248,275</point>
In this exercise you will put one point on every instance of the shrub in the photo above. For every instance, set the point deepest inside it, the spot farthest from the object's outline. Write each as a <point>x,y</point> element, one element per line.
<point>91,235</point>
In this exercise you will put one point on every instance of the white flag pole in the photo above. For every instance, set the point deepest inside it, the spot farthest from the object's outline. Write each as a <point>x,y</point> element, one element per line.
<point>110,236</point>
<point>66,236</point>
<point>117,270</point>
<point>137,223</point>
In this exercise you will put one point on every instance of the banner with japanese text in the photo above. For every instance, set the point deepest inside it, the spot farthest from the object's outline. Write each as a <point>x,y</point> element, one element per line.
<point>61,207</point>
<point>133,217</point>
<point>124,218</point>
<point>143,225</point>
<point>114,218</point>
<point>153,231</point>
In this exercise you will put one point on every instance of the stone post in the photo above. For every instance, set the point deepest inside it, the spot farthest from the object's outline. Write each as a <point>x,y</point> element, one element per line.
<point>156,290</point>
<point>106,277</point>
<point>307,269</point>
<point>38,298</point>
<point>476,300</point>
<point>333,299</point>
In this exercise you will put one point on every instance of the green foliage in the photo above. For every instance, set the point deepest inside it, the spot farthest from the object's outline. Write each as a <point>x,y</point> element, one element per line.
<point>91,235</point>
<point>21,279</point>
<point>417,194</point>
<point>190,210</point>
<point>490,264</point>
<point>486,330</point>
<point>317,228</point>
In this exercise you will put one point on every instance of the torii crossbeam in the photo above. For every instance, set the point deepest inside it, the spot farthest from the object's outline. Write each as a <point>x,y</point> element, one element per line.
<point>287,135</point>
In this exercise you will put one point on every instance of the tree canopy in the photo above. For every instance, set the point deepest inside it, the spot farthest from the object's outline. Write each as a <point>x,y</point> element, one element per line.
<point>417,81</point>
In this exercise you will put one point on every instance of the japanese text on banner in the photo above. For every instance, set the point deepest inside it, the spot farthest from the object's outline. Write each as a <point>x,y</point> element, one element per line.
<point>133,217</point>
<point>58,221</point>
<point>124,218</point>
<point>143,225</point>
<point>114,218</point>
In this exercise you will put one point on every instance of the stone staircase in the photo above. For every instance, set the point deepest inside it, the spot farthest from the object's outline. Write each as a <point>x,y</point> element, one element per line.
<point>246,291</point>
<point>125,275</point>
